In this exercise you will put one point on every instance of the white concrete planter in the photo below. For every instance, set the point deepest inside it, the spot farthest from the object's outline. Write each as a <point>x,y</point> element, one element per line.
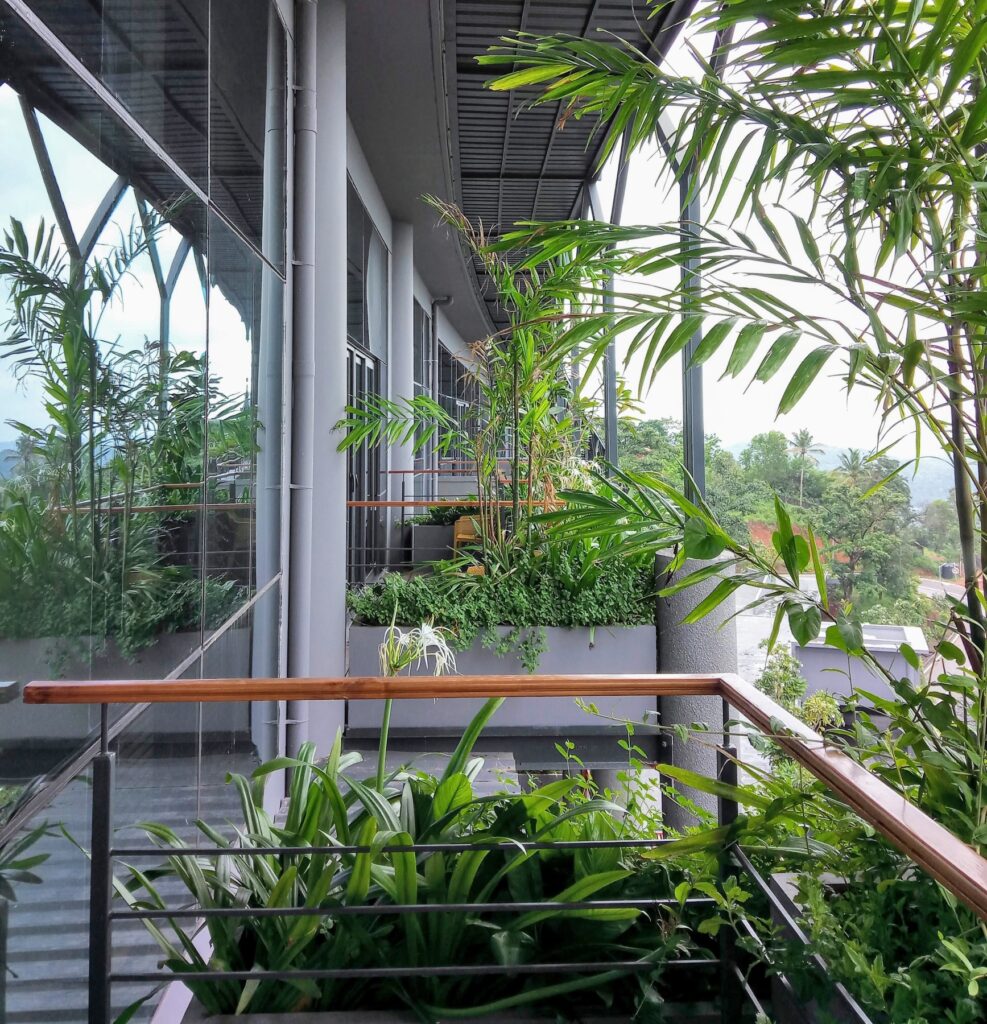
<point>826,668</point>
<point>605,650</point>
<point>24,660</point>
<point>195,1015</point>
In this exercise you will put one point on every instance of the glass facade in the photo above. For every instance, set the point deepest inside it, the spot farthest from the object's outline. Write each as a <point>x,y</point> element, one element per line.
<point>459,396</point>
<point>367,290</point>
<point>142,281</point>
<point>422,373</point>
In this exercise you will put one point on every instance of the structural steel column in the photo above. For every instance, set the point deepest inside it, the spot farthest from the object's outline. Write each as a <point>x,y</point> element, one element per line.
<point>269,391</point>
<point>693,424</point>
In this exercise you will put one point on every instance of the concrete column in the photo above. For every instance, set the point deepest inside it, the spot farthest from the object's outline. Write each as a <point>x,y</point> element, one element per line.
<point>401,375</point>
<point>318,591</point>
<point>270,389</point>
<point>709,645</point>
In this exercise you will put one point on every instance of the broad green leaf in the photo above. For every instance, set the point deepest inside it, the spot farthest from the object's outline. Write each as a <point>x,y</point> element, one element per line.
<point>702,541</point>
<point>805,623</point>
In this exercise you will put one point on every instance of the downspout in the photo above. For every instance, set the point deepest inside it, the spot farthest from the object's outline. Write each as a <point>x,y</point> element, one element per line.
<point>444,300</point>
<point>303,365</point>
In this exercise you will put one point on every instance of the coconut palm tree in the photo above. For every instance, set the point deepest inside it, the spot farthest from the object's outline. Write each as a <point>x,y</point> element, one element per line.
<point>803,446</point>
<point>853,466</point>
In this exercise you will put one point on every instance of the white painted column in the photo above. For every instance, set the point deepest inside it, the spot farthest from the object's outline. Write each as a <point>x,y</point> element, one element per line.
<point>318,592</point>
<point>401,369</point>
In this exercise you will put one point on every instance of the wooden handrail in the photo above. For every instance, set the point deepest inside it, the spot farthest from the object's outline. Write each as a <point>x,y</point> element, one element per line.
<point>932,847</point>
<point>448,503</point>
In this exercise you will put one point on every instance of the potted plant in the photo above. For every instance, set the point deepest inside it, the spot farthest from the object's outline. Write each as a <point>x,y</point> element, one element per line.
<point>335,803</point>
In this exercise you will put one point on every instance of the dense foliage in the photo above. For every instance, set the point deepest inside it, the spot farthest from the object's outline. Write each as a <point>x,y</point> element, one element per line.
<point>544,587</point>
<point>873,545</point>
<point>125,430</point>
<point>857,248</point>
<point>332,803</point>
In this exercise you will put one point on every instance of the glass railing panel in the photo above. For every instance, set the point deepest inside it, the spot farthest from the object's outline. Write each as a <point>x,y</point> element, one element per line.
<point>44,931</point>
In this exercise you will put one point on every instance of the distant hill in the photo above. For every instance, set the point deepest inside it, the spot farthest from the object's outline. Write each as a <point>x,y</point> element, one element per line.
<point>933,480</point>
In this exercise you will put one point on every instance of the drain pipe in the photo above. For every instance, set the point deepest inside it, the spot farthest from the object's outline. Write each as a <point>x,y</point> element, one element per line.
<point>444,300</point>
<point>303,366</point>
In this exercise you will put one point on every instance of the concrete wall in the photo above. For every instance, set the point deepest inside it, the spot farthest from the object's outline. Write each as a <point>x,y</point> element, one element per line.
<point>606,650</point>
<point>828,669</point>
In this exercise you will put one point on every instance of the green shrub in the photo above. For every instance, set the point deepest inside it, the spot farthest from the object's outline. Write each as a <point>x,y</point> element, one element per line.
<point>541,590</point>
<point>443,515</point>
<point>782,680</point>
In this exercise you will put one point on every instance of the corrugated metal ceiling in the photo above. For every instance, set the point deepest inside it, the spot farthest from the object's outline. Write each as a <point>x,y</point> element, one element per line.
<point>515,162</point>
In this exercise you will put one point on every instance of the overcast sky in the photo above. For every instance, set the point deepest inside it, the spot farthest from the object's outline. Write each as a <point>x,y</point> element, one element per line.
<point>735,410</point>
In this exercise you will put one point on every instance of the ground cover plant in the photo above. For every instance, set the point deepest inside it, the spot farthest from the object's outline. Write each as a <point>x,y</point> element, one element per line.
<point>556,584</point>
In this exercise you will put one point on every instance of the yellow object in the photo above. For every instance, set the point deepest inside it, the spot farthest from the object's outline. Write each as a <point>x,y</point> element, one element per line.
<point>464,531</point>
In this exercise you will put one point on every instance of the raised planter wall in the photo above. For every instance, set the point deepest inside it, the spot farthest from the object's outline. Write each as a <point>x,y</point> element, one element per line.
<point>826,668</point>
<point>608,650</point>
<point>24,660</point>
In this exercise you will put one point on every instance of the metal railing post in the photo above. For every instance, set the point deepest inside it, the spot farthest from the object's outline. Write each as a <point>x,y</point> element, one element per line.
<point>731,993</point>
<point>101,879</point>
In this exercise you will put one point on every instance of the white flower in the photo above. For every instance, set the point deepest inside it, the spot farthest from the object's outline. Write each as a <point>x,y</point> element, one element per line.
<point>423,646</point>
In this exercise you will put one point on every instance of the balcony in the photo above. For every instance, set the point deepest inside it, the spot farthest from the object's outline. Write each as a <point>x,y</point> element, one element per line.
<point>281,910</point>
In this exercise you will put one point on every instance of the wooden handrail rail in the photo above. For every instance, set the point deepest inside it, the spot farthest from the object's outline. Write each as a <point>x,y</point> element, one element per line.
<point>932,847</point>
<point>448,503</point>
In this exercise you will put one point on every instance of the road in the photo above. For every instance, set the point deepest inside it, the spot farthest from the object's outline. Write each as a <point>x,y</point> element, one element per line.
<point>937,588</point>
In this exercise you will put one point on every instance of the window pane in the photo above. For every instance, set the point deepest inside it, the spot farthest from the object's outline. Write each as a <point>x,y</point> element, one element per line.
<point>244,460</point>
<point>247,117</point>
<point>153,57</point>
<point>355,268</point>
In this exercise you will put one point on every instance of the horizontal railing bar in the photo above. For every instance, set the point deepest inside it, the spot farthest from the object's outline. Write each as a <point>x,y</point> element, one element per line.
<point>119,691</point>
<point>119,510</point>
<point>316,851</point>
<point>931,846</point>
<point>541,503</point>
<point>418,972</point>
<point>370,910</point>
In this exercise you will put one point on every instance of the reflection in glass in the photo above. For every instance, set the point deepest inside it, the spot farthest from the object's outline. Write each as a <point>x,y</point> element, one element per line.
<point>140,467</point>
<point>244,424</point>
<point>47,925</point>
<point>153,57</point>
<point>366,277</point>
<point>247,118</point>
